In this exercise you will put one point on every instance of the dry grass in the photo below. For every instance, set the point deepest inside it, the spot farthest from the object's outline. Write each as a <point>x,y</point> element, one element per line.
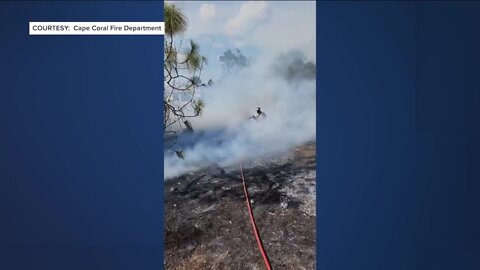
<point>207,225</point>
<point>204,259</point>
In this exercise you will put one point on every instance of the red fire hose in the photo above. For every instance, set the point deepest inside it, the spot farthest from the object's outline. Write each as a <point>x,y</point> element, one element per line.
<point>252,219</point>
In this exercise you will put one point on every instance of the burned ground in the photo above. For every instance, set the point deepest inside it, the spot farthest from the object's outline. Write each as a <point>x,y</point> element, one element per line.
<point>207,224</point>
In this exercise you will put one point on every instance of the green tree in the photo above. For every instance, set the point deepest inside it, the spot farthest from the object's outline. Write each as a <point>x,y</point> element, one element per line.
<point>183,65</point>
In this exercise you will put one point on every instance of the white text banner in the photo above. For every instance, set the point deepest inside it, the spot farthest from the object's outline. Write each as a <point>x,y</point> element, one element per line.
<point>96,28</point>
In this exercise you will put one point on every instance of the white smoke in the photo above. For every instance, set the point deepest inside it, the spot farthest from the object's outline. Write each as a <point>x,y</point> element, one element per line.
<point>224,135</point>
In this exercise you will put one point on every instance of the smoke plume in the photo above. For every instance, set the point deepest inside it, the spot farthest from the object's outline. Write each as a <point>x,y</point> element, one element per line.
<point>285,91</point>
<point>293,66</point>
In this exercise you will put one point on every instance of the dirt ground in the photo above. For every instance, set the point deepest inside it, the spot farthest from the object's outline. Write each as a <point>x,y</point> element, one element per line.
<point>207,224</point>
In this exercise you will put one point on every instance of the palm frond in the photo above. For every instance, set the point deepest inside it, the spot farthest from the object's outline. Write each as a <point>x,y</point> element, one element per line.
<point>175,21</point>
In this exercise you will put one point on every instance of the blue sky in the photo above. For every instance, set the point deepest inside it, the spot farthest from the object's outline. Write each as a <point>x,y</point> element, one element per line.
<point>260,29</point>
